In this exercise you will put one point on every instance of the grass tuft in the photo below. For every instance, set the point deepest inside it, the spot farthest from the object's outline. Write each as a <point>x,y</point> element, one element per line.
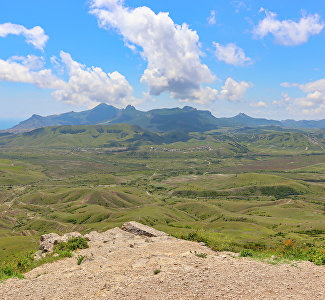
<point>157,271</point>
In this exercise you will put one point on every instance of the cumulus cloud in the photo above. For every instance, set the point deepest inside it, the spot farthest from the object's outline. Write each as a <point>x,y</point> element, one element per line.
<point>231,54</point>
<point>88,85</point>
<point>33,62</point>
<point>233,91</point>
<point>212,18</point>
<point>288,32</point>
<point>171,50</point>
<point>35,36</point>
<point>314,100</point>
<point>259,104</point>
<point>85,86</point>
<point>21,71</point>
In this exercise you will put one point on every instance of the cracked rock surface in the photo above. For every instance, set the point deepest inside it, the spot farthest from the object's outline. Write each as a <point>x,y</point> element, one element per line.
<point>121,265</point>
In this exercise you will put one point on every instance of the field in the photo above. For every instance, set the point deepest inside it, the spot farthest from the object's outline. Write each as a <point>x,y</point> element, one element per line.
<point>251,188</point>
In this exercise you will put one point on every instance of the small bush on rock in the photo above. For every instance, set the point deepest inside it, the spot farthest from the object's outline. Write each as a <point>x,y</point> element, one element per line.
<point>73,244</point>
<point>246,253</point>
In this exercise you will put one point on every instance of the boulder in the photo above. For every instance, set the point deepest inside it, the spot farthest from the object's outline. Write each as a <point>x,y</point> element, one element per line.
<point>48,241</point>
<point>140,229</point>
<point>70,235</point>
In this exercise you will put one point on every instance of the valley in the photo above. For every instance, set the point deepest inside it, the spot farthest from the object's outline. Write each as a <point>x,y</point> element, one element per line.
<point>234,188</point>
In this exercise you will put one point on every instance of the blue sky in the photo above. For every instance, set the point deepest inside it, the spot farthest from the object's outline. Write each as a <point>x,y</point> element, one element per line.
<point>264,58</point>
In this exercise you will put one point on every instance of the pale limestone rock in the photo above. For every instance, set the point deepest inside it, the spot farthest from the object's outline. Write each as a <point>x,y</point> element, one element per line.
<point>140,229</point>
<point>48,241</point>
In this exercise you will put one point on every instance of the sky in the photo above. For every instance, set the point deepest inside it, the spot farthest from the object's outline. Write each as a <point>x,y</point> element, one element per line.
<point>262,58</point>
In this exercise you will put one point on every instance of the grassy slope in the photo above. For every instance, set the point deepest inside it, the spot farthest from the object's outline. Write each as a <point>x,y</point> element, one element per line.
<point>233,191</point>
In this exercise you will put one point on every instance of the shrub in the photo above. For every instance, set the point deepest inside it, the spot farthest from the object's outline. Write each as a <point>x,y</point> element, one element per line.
<point>73,244</point>
<point>317,256</point>
<point>25,262</point>
<point>246,253</point>
<point>157,271</point>
<point>64,253</point>
<point>8,271</point>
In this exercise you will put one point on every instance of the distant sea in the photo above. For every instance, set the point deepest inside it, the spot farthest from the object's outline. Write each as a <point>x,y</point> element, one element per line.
<point>8,123</point>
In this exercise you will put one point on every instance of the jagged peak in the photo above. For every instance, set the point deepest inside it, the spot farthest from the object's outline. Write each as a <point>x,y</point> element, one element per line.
<point>242,115</point>
<point>103,106</point>
<point>189,108</point>
<point>36,116</point>
<point>130,107</point>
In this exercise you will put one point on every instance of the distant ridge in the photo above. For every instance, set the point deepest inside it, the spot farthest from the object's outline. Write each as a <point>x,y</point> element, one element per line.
<point>187,119</point>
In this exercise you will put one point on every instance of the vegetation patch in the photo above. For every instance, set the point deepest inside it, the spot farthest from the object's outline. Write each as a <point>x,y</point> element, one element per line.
<point>24,263</point>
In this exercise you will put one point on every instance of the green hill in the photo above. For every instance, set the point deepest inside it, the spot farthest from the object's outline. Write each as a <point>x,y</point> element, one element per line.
<point>120,135</point>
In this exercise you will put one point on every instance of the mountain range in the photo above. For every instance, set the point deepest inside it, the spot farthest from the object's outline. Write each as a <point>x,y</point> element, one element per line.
<point>186,119</point>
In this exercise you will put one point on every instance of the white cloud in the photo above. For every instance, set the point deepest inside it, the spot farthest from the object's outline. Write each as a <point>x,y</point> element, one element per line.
<point>57,65</point>
<point>212,18</point>
<point>231,54</point>
<point>233,91</point>
<point>35,36</point>
<point>15,71</point>
<point>288,84</point>
<point>88,85</point>
<point>259,104</point>
<point>171,51</point>
<point>314,100</point>
<point>85,86</point>
<point>284,101</point>
<point>33,62</point>
<point>288,32</point>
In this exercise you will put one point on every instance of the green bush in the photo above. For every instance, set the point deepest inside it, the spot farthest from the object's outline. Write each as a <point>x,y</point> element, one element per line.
<point>25,262</point>
<point>317,256</point>
<point>8,271</point>
<point>72,244</point>
<point>279,192</point>
<point>64,253</point>
<point>246,253</point>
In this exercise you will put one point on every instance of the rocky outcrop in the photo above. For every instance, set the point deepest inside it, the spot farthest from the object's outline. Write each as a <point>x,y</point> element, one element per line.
<point>140,229</point>
<point>48,241</point>
<point>122,265</point>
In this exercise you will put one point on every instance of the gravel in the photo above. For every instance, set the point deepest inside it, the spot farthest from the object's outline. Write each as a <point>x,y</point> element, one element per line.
<point>113,269</point>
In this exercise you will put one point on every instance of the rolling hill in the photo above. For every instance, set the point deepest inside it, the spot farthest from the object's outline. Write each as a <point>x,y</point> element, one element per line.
<point>127,136</point>
<point>119,135</point>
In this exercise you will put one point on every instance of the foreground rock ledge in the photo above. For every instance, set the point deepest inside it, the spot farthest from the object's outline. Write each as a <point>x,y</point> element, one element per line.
<point>120,265</point>
<point>140,229</point>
